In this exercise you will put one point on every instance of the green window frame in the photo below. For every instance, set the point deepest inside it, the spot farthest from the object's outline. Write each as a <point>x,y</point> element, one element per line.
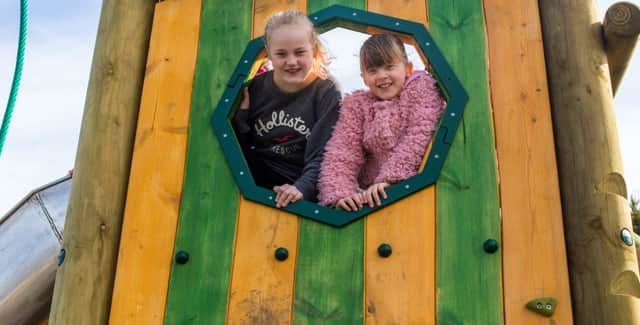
<point>326,19</point>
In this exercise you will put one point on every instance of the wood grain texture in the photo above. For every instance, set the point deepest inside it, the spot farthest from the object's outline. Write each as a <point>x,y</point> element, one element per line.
<point>621,27</point>
<point>603,271</point>
<point>157,169</point>
<point>261,290</point>
<point>405,9</point>
<point>329,273</point>
<point>401,289</point>
<point>198,290</point>
<point>468,280</point>
<point>84,283</point>
<point>534,255</point>
<point>263,9</point>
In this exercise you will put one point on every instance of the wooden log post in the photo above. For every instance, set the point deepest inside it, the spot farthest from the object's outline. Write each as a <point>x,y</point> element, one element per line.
<point>621,29</point>
<point>603,269</point>
<point>84,281</point>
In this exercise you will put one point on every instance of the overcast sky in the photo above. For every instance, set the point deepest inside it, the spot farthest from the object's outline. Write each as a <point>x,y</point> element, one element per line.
<point>43,136</point>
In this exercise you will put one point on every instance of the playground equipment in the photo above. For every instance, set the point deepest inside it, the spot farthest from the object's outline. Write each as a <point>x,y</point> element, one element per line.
<point>158,232</point>
<point>30,239</point>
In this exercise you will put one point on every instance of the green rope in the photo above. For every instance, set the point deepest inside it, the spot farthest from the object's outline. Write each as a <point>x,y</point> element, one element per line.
<point>16,74</point>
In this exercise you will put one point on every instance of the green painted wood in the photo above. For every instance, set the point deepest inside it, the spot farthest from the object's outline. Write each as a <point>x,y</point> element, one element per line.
<point>468,279</point>
<point>198,290</point>
<point>329,286</point>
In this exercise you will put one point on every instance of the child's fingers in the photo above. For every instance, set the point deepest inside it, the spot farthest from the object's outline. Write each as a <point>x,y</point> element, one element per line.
<point>384,194</point>
<point>359,200</point>
<point>342,204</point>
<point>376,197</point>
<point>367,196</point>
<point>278,192</point>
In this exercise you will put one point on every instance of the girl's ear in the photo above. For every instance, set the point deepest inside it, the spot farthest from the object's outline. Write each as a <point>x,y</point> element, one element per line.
<point>409,68</point>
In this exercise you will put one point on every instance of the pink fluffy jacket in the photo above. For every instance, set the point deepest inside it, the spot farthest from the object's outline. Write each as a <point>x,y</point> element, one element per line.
<point>379,140</point>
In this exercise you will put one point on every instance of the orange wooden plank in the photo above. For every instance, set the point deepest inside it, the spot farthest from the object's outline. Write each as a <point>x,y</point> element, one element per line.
<point>155,183</point>
<point>405,9</point>
<point>534,255</point>
<point>261,289</point>
<point>400,289</point>
<point>263,9</point>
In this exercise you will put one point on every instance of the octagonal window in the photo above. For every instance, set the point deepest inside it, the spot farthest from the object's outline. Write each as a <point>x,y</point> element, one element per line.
<point>342,31</point>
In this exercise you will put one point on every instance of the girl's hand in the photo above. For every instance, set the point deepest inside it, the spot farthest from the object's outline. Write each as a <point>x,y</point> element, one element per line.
<point>286,194</point>
<point>351,203</point>
<point>245,99</point>
<point>372,194</point>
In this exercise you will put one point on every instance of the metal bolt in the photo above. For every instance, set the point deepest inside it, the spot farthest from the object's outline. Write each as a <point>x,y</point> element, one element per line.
<point>427,43</point>
<point>407,186</point>
<point>548,306</point>
<point>224,135</point>
<point>384,250</point>
<point>490,246</point>
<point>246,61</point>
<point>226,100</point>
<point>241,173</point>
<point>627,238</point>
<point>270,198</point>
<point>397,24</point>
<point>453,114</point>
<point>316,211</point>
<point>61,256</point>
<point>539,306</point>
<point>281,254</point>
<point>182,257</point>
<point>436,156</point>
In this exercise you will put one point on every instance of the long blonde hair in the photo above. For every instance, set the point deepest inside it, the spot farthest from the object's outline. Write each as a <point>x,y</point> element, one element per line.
<point>290,17</point>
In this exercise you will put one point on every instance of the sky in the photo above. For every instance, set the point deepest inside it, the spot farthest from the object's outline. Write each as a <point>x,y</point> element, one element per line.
<point>43,136</point>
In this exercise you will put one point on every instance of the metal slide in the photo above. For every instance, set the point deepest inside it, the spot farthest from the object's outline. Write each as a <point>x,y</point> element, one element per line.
<point>30,239</point>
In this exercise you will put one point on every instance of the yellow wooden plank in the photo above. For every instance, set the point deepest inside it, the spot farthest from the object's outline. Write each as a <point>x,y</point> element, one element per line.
<point>157,168</point>
<point>261,289</point>
<point>400,289</point>
<point>405,9</point>
<point>263,9</point>
<point>534,255</point>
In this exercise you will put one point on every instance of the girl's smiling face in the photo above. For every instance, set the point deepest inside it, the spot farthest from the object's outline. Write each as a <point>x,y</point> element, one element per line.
<point>386,81</point>
<point>291,54</point>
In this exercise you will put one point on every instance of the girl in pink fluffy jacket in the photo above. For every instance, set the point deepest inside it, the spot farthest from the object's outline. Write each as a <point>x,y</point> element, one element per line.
<point>382,134</point>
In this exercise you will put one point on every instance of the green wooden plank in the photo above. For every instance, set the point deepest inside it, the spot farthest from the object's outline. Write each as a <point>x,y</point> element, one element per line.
<point>468,280</point>
<point>329,286</point>
<point>198,290</point>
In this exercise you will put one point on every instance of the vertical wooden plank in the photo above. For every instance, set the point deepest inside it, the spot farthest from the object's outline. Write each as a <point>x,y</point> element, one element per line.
<point>155,182</point>
<point>401,289</point>
<point>263,9</point>
<point>261,290</point>
<point>605,283</point>
<point>468,279</point>
<point>329,273</point>
<point>405,9</point>
<point>84,283</point>
<point>198,290</point>
<point>534,255</point>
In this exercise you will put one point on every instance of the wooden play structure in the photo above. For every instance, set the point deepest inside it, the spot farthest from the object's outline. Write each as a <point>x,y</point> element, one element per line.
<point>524,225</point>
